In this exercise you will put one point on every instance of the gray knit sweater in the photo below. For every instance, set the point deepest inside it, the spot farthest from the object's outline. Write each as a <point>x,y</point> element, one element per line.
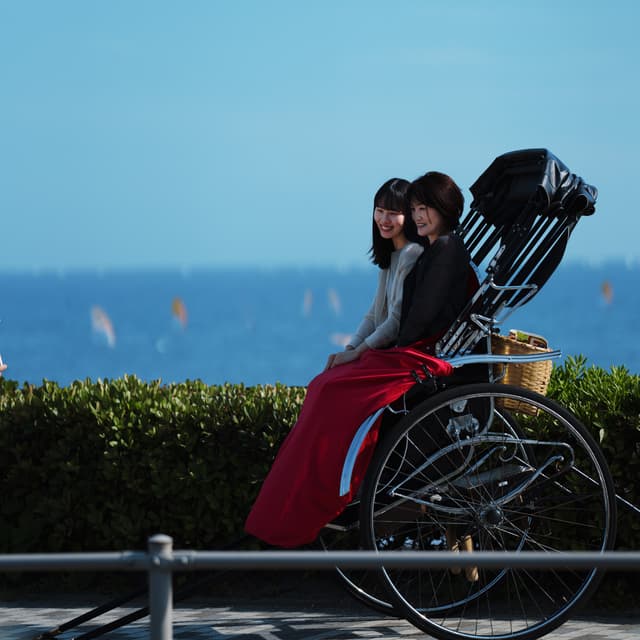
<point>380,325</point>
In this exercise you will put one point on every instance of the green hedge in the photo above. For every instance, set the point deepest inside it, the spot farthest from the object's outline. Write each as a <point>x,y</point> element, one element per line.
<point>102,465</point>
<point>608,403</point>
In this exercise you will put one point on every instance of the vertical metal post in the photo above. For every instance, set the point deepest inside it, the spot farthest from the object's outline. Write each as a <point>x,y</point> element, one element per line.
<point>160,549</point>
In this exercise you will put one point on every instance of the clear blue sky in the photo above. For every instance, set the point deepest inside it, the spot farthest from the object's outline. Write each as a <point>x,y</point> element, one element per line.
<point>236,132</point>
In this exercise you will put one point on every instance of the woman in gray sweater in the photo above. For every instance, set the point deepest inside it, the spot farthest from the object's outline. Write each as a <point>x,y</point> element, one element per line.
<point>396,256</point>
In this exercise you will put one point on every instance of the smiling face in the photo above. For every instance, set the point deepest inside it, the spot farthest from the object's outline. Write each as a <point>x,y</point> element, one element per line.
<point>390,224</point>
<point>429,221</point>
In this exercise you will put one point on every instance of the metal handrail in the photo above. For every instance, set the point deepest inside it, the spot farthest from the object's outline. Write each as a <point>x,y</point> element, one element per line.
<point>161,560</point>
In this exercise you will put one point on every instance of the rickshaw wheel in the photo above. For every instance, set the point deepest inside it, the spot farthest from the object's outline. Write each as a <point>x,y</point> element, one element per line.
<point>514,471</point>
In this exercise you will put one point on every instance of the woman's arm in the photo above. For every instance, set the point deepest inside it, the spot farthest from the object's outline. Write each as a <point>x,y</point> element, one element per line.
<point>356,344</point>
<point>386,332</point>
<point>367,325</point>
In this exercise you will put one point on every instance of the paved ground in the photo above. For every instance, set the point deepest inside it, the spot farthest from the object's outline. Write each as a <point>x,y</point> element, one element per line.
<point>303,611</point>
<point>257,623</point>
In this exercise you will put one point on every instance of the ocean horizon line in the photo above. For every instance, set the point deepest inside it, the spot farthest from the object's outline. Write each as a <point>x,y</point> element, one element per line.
<point>186,270</point>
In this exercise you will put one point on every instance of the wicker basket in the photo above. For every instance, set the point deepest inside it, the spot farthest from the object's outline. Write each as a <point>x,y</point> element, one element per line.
<point>531,375</point>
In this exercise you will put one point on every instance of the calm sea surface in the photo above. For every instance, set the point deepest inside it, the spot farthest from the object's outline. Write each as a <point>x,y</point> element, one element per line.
<point>257,326</point>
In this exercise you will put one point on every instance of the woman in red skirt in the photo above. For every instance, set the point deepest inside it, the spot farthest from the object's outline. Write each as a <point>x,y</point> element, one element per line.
<point>301,493</point>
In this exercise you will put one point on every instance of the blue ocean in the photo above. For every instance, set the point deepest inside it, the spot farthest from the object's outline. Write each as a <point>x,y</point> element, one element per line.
<point>262,326</point>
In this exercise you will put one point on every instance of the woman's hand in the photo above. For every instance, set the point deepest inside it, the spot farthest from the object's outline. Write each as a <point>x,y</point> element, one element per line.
<point>330,360</point>
<point>344,356</point>
<point>348,355</point>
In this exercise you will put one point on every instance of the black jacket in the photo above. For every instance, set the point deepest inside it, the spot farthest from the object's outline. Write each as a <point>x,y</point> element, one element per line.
<point>435,291</point>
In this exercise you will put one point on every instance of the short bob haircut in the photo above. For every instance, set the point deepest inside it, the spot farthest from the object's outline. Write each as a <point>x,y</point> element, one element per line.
<point>391,195</point>
<point>436,190</point>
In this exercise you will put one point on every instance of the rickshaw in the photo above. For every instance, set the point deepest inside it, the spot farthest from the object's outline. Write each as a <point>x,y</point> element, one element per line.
<point>481,460</point>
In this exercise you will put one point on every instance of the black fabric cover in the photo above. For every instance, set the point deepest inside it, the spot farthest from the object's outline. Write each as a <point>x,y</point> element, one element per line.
<point>534,180</point>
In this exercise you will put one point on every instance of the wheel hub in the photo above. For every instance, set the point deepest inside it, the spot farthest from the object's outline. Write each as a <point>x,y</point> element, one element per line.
<point>492,516</point>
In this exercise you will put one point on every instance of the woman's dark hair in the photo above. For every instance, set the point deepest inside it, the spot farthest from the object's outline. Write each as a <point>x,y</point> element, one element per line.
<point>436,190</point>
<point>391,195</point>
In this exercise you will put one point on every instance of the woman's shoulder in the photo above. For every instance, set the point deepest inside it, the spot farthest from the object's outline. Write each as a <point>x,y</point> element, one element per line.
<point>410,252</point>
<point>452,243</point>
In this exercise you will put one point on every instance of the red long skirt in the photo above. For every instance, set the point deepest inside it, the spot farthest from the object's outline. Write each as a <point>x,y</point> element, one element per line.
<point>301,493</point>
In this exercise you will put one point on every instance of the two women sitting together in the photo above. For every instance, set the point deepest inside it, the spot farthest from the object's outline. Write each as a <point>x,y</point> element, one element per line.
<point>422,288</point>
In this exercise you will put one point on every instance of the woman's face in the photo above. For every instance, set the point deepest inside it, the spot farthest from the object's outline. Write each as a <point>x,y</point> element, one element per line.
<point>429,221</point>
<point>390,223</point>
